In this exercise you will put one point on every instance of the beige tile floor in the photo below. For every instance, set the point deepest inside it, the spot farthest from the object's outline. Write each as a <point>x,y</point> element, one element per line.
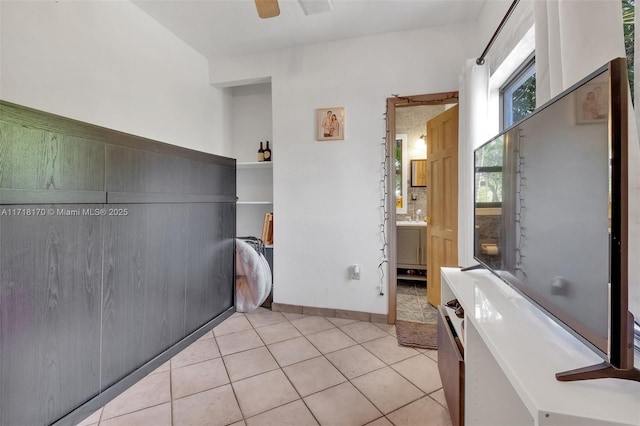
<point>269,368</point>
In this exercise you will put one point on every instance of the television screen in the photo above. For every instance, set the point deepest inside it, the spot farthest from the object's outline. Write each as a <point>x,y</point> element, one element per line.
<point>543,208</point>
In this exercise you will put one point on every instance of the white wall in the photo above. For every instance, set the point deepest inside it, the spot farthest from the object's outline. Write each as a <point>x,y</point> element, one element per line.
<point>110,64</point>
<point>327,194</point>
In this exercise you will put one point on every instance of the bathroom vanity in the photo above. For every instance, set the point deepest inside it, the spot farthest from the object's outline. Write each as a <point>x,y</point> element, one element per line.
<point>411,250</point>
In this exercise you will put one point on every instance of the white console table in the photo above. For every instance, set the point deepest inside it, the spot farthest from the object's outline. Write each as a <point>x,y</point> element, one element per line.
<point>512,351</point>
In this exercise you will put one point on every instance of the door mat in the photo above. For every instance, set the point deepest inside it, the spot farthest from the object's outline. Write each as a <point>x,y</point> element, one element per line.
<point>417,334</point>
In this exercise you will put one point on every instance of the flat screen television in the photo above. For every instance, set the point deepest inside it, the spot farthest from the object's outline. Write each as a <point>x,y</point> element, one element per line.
<point>551,215</point>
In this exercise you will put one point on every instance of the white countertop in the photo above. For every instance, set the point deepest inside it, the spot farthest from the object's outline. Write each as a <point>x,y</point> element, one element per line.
<point>411,223</point>
<point>530,348</point>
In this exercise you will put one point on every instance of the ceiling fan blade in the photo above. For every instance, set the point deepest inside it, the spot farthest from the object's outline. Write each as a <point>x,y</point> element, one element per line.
<point>267,8</point>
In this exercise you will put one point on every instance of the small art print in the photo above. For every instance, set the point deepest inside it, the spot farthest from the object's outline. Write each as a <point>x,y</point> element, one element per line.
<point>330,125</point>
<point>592,103</point>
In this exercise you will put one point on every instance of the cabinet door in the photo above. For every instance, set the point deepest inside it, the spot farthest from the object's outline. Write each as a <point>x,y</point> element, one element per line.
<point>423,247</point>
<point>408,250</point>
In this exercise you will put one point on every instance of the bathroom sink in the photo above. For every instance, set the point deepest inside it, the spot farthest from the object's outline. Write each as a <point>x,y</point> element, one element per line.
<point>411,223</point>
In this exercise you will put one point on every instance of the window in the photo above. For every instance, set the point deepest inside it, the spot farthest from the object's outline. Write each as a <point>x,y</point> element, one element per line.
<point>488,168</point>
<point>518,95</point>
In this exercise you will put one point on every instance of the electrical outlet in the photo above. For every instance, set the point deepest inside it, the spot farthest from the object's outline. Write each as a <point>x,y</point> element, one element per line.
<point>355,272</point>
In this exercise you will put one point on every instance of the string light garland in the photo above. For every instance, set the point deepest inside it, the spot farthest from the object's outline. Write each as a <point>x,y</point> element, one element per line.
<point>521,209</point>
<point>446,98</point>
<point>384,213</point>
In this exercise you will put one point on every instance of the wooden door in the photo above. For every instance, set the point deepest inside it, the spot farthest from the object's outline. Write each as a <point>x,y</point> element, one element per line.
<point>442,198</point>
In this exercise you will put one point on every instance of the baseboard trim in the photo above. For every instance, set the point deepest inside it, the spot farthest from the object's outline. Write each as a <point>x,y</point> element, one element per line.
<point>329,312</point>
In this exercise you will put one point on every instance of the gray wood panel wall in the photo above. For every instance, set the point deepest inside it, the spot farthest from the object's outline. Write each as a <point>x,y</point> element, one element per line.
<point>115,252</point>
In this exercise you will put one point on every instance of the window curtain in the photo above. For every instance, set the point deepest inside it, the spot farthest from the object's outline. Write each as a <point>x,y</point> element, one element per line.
<point>474,95</point>
<point>574,38</point>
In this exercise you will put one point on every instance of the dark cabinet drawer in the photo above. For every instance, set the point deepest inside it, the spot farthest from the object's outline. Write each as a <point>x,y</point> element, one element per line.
<point>451,367</point>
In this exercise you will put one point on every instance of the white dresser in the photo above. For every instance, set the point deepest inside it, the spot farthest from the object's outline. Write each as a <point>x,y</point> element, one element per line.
<point>511,353</point>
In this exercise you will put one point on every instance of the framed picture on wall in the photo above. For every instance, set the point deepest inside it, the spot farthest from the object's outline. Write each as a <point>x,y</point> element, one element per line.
<point>592,103</point>
<point>330,124</point>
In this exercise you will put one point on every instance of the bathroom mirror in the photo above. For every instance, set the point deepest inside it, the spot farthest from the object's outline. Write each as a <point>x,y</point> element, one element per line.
<point>418,173</point>
<point>400,166</point>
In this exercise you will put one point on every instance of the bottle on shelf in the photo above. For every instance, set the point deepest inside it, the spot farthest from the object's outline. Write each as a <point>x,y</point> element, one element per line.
<point>267,153</point>
<point>261,153</point>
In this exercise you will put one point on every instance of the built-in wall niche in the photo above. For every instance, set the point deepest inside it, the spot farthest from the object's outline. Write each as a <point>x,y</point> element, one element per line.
<point>250,123</point>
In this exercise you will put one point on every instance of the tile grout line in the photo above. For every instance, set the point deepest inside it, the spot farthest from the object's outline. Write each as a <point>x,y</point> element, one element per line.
<point>171,390</point>
<point>284,373</point>
<point>279,367</point>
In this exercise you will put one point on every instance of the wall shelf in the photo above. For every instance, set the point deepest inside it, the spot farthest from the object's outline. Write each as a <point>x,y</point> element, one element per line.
<point>254,181</point>
<point>255,165</point>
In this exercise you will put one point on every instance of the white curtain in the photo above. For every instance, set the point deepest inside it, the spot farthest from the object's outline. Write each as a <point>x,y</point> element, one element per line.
<point>573,39</point>
<point>474,95</point>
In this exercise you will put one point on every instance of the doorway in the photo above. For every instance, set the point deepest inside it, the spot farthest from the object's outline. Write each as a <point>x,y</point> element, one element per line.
<point>407,206</point>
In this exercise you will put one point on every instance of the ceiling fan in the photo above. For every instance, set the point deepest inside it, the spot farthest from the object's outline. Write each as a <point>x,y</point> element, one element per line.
<point>270,8</point>
<point>267,8</point>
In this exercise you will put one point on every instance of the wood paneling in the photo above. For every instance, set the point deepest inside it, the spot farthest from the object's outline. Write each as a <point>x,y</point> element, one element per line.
<point>39,160</point>
<point>144,281</point>
<point>130,170</point>
<point>91,295</point>
<point>26,196</point>
<point>34,119</point>
<point>210,251</point>
<point>50,282</point>
<point>146,198</point>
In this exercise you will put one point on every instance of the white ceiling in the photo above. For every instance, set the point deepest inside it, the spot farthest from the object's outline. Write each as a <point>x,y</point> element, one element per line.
<point>220,28</point>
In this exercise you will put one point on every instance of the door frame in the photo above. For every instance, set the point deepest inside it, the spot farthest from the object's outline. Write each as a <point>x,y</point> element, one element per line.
<point>393,103</point>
